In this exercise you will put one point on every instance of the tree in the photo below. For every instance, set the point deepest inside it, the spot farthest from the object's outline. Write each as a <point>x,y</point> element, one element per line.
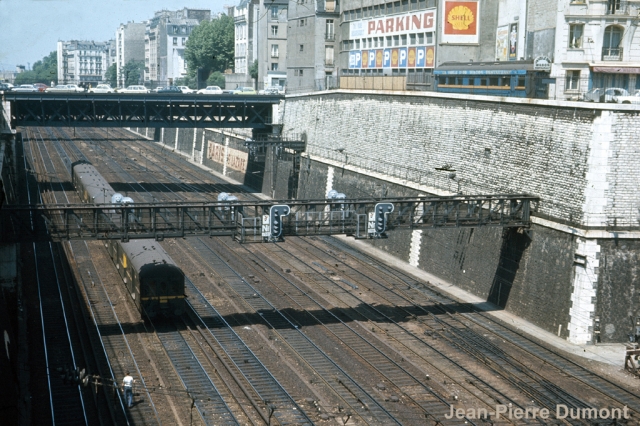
<point>132,72</point>
<point>210,47</point>
<point>43,71</point>
<point>253,70</point>
<point>112,75</point>
<point>216,79</point>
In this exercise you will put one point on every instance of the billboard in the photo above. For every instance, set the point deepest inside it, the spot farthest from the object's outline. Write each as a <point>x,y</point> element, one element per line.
<point>397,57</point>
<point>502,43</point>
<point>228,157</point>
<point>460,22</point>
<point>406,23</point>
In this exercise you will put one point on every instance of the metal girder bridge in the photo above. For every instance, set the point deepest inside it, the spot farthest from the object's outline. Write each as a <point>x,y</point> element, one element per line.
<point>141,110</point>
<point>260,220</point>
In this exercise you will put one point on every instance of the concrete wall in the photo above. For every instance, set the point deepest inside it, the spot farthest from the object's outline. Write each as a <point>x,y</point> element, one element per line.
<point>579,260</point>
<point>580,159</point>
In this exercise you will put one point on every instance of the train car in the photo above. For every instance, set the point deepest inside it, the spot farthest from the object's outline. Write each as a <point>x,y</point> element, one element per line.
<point>154,281</point>
<point>509,78</point>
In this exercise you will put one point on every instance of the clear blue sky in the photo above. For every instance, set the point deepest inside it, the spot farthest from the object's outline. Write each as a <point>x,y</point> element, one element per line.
<point>30,29</point>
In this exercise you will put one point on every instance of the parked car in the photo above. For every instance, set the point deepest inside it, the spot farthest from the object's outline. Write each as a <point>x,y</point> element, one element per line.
<point>41,87</point>
<point>134,89</point>
<point>210,90</point>
<point>272,90</point>
<point>604,95</point>
<point>631,99</point>
<point>26,88</point>
<point>245,91</point>
<point>101,88</point>
<point>169,89</point>
<point>65,88</point>
<point>4,87</point>
<point>186,89</point>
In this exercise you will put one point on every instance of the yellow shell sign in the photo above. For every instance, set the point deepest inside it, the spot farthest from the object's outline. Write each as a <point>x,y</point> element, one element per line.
<point>460,18</point>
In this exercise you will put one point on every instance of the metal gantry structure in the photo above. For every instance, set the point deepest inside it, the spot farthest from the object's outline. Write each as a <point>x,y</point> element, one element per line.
<point>142,110</point>
<point>253,221</point>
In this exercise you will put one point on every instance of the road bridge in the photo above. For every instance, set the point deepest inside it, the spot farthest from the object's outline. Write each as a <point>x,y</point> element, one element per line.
<point>141,110</point>
<point>258,221</point>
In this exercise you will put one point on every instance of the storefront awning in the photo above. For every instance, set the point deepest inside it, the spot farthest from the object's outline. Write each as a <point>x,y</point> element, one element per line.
<point>617,70</point>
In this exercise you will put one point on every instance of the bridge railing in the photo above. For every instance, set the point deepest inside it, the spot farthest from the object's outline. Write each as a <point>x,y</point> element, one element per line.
<point>246,220</point>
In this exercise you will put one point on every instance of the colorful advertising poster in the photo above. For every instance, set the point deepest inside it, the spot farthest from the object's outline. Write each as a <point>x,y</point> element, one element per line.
<point>513,42</point>
<point>460,22</point>
<point>411,57</point>
<point>379,58</point>
<point>401,57</point>
<point>502,43</point>
<point>406,23</point>
<point>355,59</point>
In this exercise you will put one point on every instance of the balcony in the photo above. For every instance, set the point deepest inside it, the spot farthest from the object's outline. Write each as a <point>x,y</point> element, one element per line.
<point>329,63</point>
<point>612,53</point>
<point>330,37</point>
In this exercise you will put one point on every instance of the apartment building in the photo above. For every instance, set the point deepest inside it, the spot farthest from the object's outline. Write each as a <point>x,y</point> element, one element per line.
<point>129,46</point>
<point>166,36</point>
<point>82,62</point>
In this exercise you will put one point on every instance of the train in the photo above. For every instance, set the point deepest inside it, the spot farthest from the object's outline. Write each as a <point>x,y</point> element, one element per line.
<point>520,79</point>
<point>153,280</point>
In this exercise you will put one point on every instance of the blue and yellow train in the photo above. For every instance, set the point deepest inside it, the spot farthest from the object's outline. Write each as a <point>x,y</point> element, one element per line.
<point>508,78</point>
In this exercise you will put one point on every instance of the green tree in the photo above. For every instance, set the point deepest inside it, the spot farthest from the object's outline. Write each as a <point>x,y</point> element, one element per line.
<point>132,72</point>
<point>43,71</point>
<point>112,75</point>
<point>253,70</point>
<point>210,47</point>
<point>216,79</point>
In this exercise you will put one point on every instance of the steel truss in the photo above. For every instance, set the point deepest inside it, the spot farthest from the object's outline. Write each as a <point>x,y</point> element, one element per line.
<point>151,110</point>
<point>244,220</point>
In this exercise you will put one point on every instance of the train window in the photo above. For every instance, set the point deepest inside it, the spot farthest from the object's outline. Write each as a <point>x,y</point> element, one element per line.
<point>521,81</point>
<point>483,82</point>
<point>442,80</point>
<point>493,81</point>
<point>506,81</point>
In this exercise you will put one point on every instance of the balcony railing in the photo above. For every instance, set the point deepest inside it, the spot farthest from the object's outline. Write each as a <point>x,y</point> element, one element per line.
<point>275,55</point>
<point>612,53</point>
<point>330,37</point>
<point>329,62</point>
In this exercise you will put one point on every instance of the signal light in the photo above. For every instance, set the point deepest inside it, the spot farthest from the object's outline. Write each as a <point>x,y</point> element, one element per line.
<point>275,218</point>
<point>380,217</point>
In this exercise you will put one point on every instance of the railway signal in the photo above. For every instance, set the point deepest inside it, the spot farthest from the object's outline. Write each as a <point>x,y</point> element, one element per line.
<point>272,223</point>
<point>378,220</point>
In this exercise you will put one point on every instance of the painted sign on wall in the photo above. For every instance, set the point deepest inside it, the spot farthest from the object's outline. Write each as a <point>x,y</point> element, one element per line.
<point>460,22</point>
<point>502,43</point>
<point>228,157</point>
<point>401,57</point>
<point>406,23</point>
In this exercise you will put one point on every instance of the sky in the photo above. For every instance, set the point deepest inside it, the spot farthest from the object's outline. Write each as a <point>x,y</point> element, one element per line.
<point>30,29</point>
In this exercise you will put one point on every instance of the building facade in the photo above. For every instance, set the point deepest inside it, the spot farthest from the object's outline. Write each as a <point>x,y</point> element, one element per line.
<point>166,36</point>
<point>272,39</point>
<point>82,62</point>
<point>129,46</point>
<point>597,46</point>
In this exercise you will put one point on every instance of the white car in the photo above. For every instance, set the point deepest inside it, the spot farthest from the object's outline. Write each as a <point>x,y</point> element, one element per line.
<point>629,99</point>
<point>134,89</point>
<point>25,88</point>
<point>101,88</point>
<point>65,88</point>
<point>272,90</point>
<point>185,89</point>
<point>210,90</point>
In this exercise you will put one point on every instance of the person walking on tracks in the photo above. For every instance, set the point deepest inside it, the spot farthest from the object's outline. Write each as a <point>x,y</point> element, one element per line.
<point>127,385</point>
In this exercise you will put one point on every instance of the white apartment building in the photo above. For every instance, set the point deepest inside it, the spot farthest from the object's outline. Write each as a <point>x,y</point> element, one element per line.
<point>129,46</point>
<point>82,62</point>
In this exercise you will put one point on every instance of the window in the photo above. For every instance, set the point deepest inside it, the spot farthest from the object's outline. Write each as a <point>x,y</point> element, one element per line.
<point>274,51</point>
<point>184,40</point>
<point>301,73</point>
<point>328,55</point>
<point>575,36</point>
<point>329,29</point>
<point>274,31</point>
<point>611,43</point>
<point>301,23</point>
<point>613,6</point>
<point>295,73</point>
<point>274,13</point>
<point>175,41</point>
<point>274,66</point>
<point>572,82</point>
<point>302,47</point>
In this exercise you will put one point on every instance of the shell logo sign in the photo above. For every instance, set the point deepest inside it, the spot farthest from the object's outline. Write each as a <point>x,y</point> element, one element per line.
<point>460,21</point>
